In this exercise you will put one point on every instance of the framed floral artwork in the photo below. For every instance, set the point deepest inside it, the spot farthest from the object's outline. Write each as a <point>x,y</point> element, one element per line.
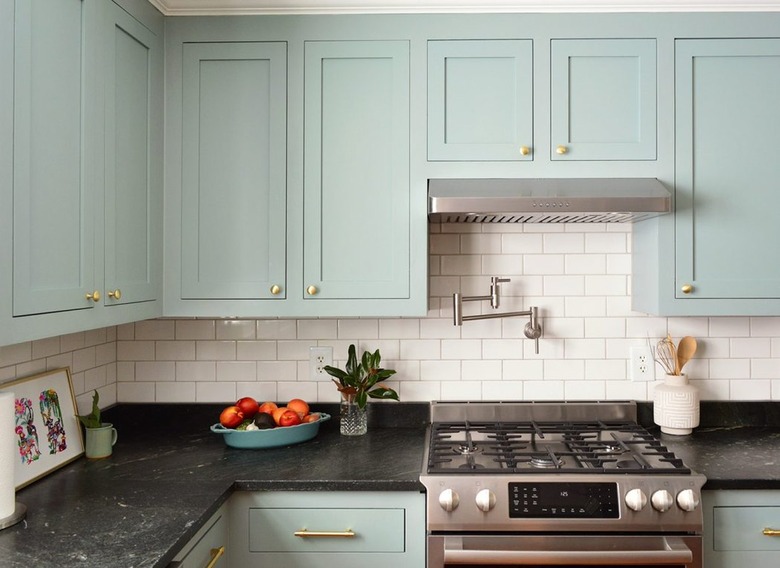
<point>46,430</point>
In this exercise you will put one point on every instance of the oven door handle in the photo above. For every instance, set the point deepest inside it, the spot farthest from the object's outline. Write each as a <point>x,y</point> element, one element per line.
<point>675,552</point>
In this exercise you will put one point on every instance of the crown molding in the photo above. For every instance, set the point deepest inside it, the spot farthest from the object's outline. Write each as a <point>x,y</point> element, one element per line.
<point>267,7</point>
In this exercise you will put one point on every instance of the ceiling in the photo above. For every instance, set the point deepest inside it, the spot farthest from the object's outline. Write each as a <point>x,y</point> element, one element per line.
<point>243,7</point>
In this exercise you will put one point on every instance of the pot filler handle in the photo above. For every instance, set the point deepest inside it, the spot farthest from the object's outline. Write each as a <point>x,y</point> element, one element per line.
<point>532,330</point>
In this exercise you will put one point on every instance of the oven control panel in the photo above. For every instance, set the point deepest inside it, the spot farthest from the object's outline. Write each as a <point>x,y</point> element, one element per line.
<point>538,500</point>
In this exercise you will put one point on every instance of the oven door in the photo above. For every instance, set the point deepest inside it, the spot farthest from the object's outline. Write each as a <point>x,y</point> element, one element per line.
<point>564,550</point>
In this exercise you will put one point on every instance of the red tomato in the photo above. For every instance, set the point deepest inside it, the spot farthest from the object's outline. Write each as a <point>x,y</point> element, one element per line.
<point>248,406</point>
<point>231,417</point>
<point>289,418</point>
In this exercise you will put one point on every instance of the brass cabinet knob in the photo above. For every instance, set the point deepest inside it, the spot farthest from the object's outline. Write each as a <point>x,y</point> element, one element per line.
<point>686,288</point>
<point>561,150</point>
<point>525,150</point>
<point>311,290</point>
<point>275,289</point>
<point>94,296</point>
<point>115,294</point>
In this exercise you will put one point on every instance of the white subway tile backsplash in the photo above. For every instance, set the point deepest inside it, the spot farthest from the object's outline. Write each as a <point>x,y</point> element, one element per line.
<point>317,329</point>
<point>358,328</point>
<point>420,349</point>
<point>751,347</point>
<point>577,275</point>
<point>235,329</point>
<point>215,392</point>
<point>156,371</point>
<point>195,329</point>
<point>444,371</point>
<point>175,392</point>
<point>234,371</point>
<point>196,371</point>
<point>155,329</point>
<point>461,349</point>
<point>256,350</point>
<point>213,351</point>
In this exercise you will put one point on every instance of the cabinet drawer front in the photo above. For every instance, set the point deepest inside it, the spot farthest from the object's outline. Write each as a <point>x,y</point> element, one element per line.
<point>740,528</point>
<point>376,530</point>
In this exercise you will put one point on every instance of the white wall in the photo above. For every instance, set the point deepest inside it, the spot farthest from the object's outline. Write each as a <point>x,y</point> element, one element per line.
<point>578,275</point>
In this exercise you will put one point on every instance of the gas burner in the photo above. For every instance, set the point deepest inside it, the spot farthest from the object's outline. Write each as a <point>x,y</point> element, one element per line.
<point>545,462</point>
<point>466,449</point>
<point>627,464</point>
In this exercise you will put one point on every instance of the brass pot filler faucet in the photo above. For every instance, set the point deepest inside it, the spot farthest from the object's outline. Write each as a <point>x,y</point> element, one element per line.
<point>532,329</point>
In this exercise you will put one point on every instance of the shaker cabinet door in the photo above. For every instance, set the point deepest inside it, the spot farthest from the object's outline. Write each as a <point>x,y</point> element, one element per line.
<point>356,220</point>
<point>603,99</point>
<point>233,171</point>
<point>133,160</point>
<point>480,100</point>
<point>726,168</point>
<point>53,199</point>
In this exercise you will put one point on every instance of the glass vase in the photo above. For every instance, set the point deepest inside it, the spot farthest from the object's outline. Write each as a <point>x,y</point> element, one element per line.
<point>354,420</point>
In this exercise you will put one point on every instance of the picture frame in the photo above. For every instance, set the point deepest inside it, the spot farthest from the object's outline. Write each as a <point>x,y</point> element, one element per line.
<point>46,429</point>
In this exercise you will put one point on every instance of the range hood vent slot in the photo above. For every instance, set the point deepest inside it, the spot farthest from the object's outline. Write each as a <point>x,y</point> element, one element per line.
<point>575,200</point>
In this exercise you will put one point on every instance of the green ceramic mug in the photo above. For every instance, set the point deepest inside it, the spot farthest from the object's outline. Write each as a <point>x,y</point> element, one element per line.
<point>100,441</point>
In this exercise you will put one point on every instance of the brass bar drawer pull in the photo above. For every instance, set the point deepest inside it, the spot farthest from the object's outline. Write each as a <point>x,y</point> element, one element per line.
<point>771,532</point>
<point>216,554</point>
<point>325,534</point>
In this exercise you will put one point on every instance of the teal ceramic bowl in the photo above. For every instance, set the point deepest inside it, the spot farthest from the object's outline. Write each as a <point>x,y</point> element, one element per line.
<point>271,438</point>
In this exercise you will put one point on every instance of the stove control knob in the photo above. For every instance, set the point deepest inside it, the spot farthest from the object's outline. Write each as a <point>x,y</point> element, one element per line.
<point>662,500</point>
<point>486,500</point>
<point>636,499</point>
<point>449,500</point>
<point>687,500</point>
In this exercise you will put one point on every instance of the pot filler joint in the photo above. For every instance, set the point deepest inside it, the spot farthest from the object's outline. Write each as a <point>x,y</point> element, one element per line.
<point>532,330</point>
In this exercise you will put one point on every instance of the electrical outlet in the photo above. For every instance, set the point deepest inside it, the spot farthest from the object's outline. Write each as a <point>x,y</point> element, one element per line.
<point>319,357</point>
<point>642,363</point>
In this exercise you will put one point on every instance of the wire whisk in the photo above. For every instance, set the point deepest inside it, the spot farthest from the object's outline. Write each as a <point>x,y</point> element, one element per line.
<point>665,354</point>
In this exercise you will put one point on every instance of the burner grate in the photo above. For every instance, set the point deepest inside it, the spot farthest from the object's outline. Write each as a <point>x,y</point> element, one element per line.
<point>615,447</point>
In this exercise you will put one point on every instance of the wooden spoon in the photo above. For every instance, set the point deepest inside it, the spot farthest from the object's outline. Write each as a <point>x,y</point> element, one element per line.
<point>685,351</point>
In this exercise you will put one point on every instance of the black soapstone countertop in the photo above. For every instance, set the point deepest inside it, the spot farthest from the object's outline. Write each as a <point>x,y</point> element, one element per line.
<point>169,473</point>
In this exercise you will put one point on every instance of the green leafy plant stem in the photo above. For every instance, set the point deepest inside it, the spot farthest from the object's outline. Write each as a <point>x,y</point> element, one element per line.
<point>361,380</point>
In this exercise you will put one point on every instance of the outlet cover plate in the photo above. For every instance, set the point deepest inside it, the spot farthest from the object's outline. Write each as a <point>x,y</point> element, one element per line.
<point>319,357</point>
<point>641,363</point>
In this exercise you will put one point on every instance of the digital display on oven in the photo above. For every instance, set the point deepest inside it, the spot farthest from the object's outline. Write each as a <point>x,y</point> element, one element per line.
<point>563,500</point>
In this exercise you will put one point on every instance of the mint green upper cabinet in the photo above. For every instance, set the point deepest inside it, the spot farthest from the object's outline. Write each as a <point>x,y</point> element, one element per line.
<point>480,100</point>
<point>726,171</point>
<point>356,219</point>
<point>53,197</point>
<point>603,99</point>
<point>133,160</point>
<point>233,171</point>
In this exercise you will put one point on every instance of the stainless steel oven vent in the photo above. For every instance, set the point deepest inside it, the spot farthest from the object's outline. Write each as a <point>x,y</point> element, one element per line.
<point>574,200</point>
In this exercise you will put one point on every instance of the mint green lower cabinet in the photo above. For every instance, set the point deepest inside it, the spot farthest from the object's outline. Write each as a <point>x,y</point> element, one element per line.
<point>133,160</point>
<point>210,547</point>
<point>53,194</point>
<point>735,523</point>
<point>377,529</point>
<point>603,99</point>
<point>356,220</point>
<point>480,100</point>
<point>233,188</point>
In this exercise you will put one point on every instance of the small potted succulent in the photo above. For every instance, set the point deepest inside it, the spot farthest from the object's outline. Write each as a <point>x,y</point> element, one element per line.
<point>100,436</point>
<point>359,381</point>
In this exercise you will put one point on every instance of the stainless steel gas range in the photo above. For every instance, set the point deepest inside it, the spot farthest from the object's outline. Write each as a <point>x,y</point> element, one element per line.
<point>556,484</point>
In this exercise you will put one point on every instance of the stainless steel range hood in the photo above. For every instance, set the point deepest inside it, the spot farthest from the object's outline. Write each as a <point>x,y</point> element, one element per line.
<point>575,200</point>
